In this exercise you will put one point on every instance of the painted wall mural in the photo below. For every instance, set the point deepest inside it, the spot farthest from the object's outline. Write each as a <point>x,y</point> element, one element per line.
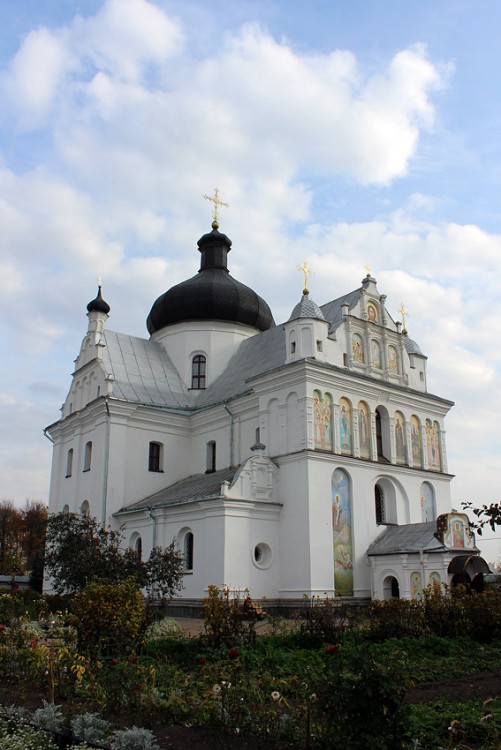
<point>357,349</point>
<point>372,313</point>
<point>392,359</point>
<point>364,431</point>
<point>323,421</point>
<point>376,354</point>
<point>400,437</point>
<point>435,581</point>
<point>433,444</point>
<point>454,530</point>
<point>417,453</point>
<point>428,512</point>
<point>416,586</point>
<point>342,533</point>
<point>345,431</point>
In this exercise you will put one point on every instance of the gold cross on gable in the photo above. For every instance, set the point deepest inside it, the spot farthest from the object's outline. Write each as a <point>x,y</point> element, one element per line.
<point>368,269</point>
<point>306,272</point>
<point>215,211</point>
<point>403,312</point>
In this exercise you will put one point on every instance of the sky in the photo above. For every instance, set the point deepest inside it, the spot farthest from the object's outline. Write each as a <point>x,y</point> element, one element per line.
<point>347,133</point>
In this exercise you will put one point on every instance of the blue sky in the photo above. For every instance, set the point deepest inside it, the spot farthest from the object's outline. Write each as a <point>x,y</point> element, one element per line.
<point>344,132</point>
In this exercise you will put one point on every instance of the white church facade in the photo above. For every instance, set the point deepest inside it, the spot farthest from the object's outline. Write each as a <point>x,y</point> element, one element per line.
<point>300,458</point>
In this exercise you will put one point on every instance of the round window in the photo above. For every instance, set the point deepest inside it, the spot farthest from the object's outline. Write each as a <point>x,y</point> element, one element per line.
<point>262,555</point>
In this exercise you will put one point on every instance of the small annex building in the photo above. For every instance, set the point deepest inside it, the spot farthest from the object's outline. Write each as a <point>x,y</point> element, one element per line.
<point>300,458</point>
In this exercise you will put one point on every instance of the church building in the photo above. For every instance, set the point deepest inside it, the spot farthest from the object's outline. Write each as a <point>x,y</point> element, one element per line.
<point>301,458</point>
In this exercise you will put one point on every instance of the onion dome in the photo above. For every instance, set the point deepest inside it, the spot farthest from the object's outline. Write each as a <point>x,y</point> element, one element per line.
<point>306,308</point>
<point>212,294</point>
<point>98,304</point>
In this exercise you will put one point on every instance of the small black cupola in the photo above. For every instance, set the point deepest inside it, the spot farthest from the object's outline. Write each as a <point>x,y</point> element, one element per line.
<point>98,304</point>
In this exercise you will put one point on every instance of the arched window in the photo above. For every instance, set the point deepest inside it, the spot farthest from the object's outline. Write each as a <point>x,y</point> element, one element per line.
<point>66,509</point>
<point>211,457</point>
<point>383,434</point>
<point>198,372</point>
<point>87,456</point>
<point>85,508</point>
<point>155,457</point>
<point>188,551</point>
<point>69,463</point>
<point>138,548</point>
<point>379,501</point>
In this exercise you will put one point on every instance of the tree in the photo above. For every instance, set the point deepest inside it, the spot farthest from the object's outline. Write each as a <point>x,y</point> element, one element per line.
<point>488,515</point>
<point>11,554</point>
<point>78,551</point>
<point>34,522</point>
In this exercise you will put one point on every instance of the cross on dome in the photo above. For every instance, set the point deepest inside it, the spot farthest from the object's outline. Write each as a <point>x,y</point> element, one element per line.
<point>403,312</point>
<point>306,272</point>
<point>215,211</point>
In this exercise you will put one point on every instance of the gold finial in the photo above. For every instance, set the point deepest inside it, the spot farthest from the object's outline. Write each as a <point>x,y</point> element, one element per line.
<point>99,280</point>
<point>403,312</point>
<point>368,269</point>
<point>305,271</point>
<point>215,211</point>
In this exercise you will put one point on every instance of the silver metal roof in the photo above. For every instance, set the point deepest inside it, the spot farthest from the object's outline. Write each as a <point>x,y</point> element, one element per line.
<point>143,372</point>
<point>197,487</point>
<point>411,537</point>
<point>306,308</point>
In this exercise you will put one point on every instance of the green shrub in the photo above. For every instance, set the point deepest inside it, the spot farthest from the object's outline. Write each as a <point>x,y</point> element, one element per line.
<point>230,618</point>
<point>396,618</point>
<point>360,701</point>
<point>109,617</point>
<point>164,628</point>
<point>21,603</point>
<point>134,739</point>
<point>324,620</point>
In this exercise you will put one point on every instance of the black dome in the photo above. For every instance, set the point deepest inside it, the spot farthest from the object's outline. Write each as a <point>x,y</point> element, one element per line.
<point>98,304</point>
<point>212,294</point>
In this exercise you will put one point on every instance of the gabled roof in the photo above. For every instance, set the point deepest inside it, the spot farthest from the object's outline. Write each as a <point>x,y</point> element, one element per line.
<point>197,487</point>
<point>411,537</point>
<point>332,310</point>
<point>142,372</point>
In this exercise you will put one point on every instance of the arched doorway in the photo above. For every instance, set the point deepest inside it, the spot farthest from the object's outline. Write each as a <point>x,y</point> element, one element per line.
<point>391,588</point>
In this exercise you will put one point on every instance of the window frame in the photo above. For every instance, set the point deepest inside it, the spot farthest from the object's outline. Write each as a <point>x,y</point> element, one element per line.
<point>198,372</point>
<point>155,457</point>
<point>88,456</point>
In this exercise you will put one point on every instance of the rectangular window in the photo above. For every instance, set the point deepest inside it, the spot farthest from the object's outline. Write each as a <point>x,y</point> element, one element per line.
<point>198,372</point>
<point>69,463</point>
<point>155,457</point>
<point>88,456</point>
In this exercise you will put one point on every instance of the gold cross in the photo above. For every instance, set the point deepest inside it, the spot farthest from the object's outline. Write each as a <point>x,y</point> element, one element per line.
<point>215,211</point>
<point>305,271</point>
<point>368,269</point>
<point>403,312</point>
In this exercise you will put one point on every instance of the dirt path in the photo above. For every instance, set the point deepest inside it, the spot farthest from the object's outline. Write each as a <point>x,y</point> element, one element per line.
<point>471,686</point>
